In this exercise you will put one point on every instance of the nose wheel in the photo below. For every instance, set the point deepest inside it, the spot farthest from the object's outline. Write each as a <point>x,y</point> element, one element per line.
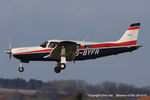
<point>21,69</point>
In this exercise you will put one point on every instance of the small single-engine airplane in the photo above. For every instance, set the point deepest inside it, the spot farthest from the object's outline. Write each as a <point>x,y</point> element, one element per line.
<point>62,51</point>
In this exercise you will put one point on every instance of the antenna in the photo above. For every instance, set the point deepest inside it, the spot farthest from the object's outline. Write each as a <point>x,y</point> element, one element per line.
<point>86,37</point>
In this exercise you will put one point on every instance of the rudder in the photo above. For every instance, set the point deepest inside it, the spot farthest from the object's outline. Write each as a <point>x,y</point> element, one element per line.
<point>131,34</point>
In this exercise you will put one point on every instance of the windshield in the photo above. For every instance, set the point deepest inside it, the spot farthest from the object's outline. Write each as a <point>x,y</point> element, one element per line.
<point>44,44</point>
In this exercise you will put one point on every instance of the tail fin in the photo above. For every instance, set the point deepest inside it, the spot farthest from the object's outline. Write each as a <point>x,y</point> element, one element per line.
<point>131,34</point>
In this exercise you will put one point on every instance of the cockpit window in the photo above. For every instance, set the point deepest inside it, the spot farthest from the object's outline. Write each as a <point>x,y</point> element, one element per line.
<point>44,44</point>
<point>52,44</point>
<point>78,45</point>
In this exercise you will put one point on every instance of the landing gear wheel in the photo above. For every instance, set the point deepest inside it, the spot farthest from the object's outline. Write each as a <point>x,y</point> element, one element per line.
<point>57,69</point>
<point>21,69</point>
<point>62,66</point>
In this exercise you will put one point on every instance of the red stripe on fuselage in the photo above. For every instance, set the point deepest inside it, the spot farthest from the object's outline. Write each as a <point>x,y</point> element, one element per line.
<point>113,44</point>
<point>38,51</point>
<point>133,28</point>
<point>82,47</point>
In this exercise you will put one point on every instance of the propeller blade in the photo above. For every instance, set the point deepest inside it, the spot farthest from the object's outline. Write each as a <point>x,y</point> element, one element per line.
<point>10,50</point>
<point>10,57</point>
<point>10,53</point>
<point>9,43</point>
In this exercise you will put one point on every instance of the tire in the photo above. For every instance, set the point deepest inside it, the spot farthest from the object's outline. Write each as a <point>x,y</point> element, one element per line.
<point>57,69</point>
<point>62,66</point>
<point>20,69</point>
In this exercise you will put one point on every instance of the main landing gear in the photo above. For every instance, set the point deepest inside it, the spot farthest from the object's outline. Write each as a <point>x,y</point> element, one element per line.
<point>59,67</point>
<point>21,69</point>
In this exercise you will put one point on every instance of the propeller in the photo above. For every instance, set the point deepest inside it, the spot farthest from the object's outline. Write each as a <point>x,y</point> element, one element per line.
<point>9,43</point>
<point>10,49</point>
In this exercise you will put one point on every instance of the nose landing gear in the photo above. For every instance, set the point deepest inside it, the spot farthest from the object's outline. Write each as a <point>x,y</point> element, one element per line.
<point>21,69</point>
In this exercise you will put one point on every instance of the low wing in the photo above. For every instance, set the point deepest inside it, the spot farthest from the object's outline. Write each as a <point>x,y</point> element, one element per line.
<point>70,49</point>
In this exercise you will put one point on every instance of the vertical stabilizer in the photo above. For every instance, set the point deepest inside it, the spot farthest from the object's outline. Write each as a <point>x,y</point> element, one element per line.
<point>131,34</point>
